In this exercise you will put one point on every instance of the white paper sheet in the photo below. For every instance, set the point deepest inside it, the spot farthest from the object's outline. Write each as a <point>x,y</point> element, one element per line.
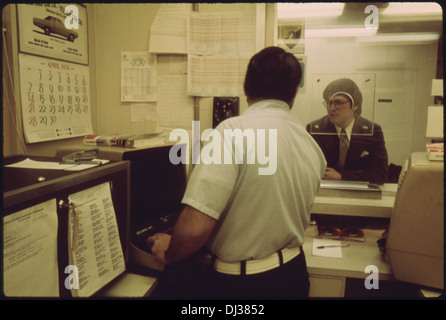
<point>85,166</point>
<point>219,33</point>
<point>30,267</point>
<point>175,107</point>
<point>333,252</point>
<point>138,76</point>
<point>33,164</point>
<point>217,75</point>
<point>168,30</point>
<point>143,112</point>
<point>177,64</point>
<point>98,254</point>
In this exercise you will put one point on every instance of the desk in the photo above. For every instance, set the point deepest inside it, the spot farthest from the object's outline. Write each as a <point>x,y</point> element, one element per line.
<point>23,190</point>
<point>328,275</point>
<point>130,285</point>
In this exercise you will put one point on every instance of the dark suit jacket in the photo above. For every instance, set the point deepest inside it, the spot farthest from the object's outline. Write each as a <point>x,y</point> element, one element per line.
<point>366,158</point>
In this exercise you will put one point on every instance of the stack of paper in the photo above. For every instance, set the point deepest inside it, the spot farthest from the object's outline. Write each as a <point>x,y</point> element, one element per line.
<point>349,189</point>
<point>327,248</point>
<point>435,151</point>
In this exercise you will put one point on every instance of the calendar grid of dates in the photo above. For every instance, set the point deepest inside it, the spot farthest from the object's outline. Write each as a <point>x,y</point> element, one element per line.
<point>55,99</point>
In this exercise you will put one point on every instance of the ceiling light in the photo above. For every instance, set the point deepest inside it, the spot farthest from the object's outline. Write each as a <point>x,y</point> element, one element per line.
<point>411,8</point>
<point>305,10</point>
<point>401,38</point>
<point>339,32</point>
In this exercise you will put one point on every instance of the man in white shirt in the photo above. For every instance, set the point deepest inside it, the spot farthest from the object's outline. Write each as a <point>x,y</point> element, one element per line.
<point>252,221</point>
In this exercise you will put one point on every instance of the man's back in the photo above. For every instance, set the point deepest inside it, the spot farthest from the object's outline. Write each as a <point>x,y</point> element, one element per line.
<point>270,209</point>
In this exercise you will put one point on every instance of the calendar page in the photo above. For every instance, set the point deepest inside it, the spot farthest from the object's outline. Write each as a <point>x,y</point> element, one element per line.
<point>55,99</point>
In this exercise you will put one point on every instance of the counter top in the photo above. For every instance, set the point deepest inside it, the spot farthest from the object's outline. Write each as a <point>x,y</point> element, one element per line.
<point>355,258</point>
<point>376,208</point>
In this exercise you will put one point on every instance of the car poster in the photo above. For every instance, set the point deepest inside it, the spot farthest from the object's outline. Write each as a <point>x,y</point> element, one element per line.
<point>54,30</point>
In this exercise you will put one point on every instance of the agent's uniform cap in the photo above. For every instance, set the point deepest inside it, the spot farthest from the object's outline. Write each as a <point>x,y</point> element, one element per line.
<point>344,86</point>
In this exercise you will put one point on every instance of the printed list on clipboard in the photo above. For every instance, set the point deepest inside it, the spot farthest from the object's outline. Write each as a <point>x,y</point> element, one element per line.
<point>93,240</point>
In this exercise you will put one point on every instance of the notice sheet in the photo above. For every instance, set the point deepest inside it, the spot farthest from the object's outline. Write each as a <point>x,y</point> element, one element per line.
<point>30,267</point>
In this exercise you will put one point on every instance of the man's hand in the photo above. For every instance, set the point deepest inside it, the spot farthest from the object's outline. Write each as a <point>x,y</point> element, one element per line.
<point>331,174</point>
<point>190,233</point>
<point>159,243</point>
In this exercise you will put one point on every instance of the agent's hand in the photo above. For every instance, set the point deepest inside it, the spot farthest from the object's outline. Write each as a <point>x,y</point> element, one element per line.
<point>159,243</point>
<point>332,174</point>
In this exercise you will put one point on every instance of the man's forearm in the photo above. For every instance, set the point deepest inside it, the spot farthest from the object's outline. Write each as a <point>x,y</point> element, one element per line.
<point>191,232</point>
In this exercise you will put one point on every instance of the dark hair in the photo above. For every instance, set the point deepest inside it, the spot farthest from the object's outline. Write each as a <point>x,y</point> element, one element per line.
<point>273,73</point>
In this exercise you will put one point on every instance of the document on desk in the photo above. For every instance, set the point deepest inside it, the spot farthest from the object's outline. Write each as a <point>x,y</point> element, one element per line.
<point>33,164</point>
<point>30,267</point>
<point>94,245</point>
<point>327,248</point>
<point>52,165</point>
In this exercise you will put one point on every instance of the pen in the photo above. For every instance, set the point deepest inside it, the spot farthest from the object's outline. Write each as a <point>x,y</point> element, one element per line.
<point>82,162</point>
<point>333,246</point>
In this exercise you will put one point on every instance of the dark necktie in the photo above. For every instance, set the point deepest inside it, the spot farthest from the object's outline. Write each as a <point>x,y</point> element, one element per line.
<point>343,147</point>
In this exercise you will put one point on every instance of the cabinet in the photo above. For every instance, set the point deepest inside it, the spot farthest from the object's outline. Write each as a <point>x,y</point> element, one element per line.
<point>25,188</point>
<point>328,276</point>
<point>326,286</point>
<point>156,189</point>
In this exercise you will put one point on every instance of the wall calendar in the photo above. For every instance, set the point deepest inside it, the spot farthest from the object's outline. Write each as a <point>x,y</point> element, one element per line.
<point>55,98</point>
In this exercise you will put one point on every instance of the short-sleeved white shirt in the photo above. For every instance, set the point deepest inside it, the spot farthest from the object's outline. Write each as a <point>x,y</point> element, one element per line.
<point>258,214</point>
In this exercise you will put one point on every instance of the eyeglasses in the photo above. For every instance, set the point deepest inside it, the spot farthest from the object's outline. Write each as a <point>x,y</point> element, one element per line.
<point>338,104</point>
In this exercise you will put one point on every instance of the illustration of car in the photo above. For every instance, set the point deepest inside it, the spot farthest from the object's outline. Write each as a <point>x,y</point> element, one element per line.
<point>54,25</point>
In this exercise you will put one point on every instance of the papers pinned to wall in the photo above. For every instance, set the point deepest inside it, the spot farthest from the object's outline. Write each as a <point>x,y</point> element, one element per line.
<point>220,33</point>
<point>218,47</point>
<point>143,112</point>
<point>138,76</point>
<point>168,30</point>
<point>216,75</point>
<point>175,107</point>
